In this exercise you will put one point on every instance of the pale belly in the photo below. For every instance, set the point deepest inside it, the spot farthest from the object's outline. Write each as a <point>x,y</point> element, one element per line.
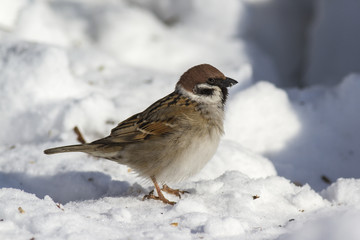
<point>192,159</point>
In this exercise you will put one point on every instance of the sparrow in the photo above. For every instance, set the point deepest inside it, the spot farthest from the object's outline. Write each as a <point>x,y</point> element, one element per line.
<point>174,137</point>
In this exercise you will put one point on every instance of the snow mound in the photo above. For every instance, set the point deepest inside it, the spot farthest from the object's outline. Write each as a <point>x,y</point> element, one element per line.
<point>212,210</point>
<point>329,137</point>
<point>40,75</point>
<point>344,191</point>
<point>261,118</point>
<point>232,156</point>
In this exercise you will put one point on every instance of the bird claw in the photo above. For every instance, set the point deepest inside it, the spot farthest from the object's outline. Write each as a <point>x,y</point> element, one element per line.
<point>163,199</point>
<point>149,196</point>
<point>175,192</point>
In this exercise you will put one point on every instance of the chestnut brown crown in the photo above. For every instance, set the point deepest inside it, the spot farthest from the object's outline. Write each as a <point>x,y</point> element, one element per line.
<point>199,74</point>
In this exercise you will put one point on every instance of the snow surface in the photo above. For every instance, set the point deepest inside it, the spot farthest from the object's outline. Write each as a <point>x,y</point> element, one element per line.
<point>287,167</point>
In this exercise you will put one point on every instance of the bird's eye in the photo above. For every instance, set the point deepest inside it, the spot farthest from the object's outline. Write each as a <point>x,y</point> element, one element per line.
<point>211,80</point>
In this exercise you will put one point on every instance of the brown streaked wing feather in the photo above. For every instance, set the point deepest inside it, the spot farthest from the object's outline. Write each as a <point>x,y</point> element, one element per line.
<point>157,128</point>
<point>126,125</point>
<point>156,120</point>
<point>125,132</point>
<point>138,131</point>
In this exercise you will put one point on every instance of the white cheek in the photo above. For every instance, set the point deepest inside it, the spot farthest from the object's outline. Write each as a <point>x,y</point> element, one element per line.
<point>215,98</point>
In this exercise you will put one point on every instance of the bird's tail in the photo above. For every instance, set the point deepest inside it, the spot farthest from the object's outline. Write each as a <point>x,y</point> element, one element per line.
<point>72,148</point>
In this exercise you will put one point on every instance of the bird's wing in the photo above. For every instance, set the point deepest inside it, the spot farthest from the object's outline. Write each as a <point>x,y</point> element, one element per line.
<point>156,120</point>
<point>138,129</point>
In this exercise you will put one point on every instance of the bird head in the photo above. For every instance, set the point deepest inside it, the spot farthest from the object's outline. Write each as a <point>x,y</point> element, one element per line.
<point>205,83</point>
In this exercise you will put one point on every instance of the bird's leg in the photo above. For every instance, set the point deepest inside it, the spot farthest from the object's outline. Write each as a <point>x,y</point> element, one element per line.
<point>160,195</point>
<point>175,192</point>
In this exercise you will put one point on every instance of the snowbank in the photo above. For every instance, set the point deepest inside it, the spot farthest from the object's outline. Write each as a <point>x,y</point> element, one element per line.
<point>262,118</point>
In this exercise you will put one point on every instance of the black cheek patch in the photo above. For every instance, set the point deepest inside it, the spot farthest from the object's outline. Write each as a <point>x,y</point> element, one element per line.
<point>224,94</point>
<point>205,91</point>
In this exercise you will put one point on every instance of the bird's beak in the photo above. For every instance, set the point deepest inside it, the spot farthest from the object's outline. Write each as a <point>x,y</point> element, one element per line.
<point>228,82</point>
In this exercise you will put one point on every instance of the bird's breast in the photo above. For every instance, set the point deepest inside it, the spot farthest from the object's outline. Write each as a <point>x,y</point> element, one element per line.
<point>190,158</point>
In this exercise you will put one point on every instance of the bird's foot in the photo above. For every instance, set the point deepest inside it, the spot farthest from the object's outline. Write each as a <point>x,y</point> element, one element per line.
<point>160,197</point>
<point>175,192</point>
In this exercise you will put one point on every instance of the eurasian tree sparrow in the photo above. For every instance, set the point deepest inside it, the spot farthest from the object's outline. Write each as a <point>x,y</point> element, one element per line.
<point>173,138</point>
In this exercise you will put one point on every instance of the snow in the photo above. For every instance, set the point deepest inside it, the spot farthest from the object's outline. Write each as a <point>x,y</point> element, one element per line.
<point>9,12</point>
<point>287,167</point>
<point>334,51</point>
<point>276,121</point>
